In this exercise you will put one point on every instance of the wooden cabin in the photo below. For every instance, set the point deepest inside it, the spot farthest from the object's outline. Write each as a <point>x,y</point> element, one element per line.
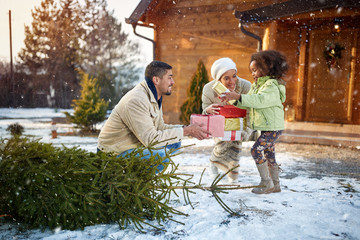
<point>320,39</point>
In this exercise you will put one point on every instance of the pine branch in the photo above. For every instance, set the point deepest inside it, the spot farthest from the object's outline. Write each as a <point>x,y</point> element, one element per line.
<point>48,186</point>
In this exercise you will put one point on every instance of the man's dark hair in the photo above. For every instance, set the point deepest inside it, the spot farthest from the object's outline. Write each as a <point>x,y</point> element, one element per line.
<point>272,63</point>
<point>157,69</point>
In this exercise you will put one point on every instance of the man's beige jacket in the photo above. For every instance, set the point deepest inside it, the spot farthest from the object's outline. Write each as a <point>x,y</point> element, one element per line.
<point>137,120</point>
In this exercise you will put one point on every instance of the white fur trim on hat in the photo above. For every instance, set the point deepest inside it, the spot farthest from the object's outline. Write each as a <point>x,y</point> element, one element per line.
<point>221,66</point>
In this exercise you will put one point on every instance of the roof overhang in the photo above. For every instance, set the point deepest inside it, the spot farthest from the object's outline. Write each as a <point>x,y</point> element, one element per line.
<point>291,8</point>
<point>138,12</point>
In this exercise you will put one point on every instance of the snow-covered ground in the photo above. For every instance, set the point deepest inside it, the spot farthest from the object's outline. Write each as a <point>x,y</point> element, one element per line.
<point>326,207</point>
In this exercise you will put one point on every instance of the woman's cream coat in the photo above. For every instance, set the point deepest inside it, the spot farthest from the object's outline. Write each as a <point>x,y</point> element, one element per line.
<point>209,96</point>
<point>137,120</point>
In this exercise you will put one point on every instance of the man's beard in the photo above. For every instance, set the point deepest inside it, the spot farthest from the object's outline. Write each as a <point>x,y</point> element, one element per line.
<point>168,93</point>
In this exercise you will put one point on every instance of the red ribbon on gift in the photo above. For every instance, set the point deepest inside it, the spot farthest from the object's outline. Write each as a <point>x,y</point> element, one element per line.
<point>208,122</point>
<point>208,125</point>
<point>233,135</point>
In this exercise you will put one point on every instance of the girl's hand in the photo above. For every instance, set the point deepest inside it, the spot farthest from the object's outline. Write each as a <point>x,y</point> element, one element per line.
<point>213,109</point>
<point>227,96</point>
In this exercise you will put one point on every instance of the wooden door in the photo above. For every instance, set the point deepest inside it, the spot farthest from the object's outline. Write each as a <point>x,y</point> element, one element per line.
<point>328,85</point>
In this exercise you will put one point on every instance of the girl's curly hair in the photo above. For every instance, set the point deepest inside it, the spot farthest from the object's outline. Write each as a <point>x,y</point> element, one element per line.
<point>271,63</point>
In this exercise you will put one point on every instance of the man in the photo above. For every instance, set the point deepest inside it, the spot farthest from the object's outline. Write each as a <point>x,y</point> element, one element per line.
<point>138,118</point>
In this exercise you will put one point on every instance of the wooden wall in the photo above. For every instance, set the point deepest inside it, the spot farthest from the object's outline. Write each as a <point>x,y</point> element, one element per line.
<point>285,38</point>
<point>350,22</point>
<point>291,40</point>
<point>192,30</point>
<point>356,89</point>
<point>187,31</point>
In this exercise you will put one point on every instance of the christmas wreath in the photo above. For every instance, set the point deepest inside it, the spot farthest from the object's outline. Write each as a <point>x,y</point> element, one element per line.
<point>332,54</point>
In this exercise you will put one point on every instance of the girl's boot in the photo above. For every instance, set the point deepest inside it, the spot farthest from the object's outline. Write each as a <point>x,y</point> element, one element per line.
<point>274,172</point>
<point>266,184</point>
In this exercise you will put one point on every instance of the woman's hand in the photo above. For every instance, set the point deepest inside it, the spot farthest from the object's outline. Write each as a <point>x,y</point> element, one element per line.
<point>213,109</point>
<point>227,96</point>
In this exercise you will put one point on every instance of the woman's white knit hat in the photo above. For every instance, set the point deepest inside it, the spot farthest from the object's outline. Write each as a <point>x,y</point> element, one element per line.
<point>221,66</point>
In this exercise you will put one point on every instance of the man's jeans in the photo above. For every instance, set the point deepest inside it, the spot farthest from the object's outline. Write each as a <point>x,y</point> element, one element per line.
<point>161,152</point>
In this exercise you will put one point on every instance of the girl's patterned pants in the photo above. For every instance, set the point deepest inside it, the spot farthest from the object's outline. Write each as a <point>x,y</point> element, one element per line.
<point>265,143</point>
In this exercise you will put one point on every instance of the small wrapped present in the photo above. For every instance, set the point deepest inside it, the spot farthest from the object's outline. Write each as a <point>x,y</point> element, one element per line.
<point>212,123</point>
<point>233,124</point>
<point>230,111</point>
<point>219,88</point>
<point>231,136</point>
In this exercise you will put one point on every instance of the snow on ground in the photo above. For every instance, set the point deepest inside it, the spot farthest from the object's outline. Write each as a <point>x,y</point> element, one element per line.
<point>307,208</point>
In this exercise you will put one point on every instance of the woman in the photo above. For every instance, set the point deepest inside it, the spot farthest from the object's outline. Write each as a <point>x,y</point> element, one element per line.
<point>226,154</point>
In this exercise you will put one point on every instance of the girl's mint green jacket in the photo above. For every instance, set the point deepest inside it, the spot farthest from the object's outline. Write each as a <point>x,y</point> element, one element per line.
<point>265,103</point>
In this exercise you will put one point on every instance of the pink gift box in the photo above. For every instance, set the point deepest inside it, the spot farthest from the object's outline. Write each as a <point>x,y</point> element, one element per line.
<point>213,123</point>
<point>232,136</point>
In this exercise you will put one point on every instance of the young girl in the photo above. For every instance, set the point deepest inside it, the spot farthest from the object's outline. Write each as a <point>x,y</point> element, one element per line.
<point>264,101</point>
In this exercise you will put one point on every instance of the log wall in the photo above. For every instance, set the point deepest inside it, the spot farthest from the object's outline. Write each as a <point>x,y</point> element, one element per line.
<point>187,31</point>
<point>207,30</point>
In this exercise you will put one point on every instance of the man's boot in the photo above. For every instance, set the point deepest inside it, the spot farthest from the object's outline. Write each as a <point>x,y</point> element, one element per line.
<point>274,172</point>
<point>266,184</point>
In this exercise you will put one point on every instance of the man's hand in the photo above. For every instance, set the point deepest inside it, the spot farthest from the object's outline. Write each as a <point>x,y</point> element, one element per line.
<point>196,131</point>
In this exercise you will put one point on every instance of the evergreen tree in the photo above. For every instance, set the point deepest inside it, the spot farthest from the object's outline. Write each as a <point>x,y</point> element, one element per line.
<point>66,35</point>
<point>108,52</point>
<point>51,51</point>
<point>193,102</point>
<point>46,186</point>
<point>6,85</point>
<point>128,76</point>
<point>15,129</point>
<point>14,89</point>
<point>89,109</point>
